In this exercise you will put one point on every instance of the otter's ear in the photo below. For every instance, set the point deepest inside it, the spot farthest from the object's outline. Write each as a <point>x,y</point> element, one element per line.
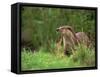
<point>70,28</point>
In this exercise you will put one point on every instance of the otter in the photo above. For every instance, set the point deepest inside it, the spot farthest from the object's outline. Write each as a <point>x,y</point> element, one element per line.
<point>70,39</point>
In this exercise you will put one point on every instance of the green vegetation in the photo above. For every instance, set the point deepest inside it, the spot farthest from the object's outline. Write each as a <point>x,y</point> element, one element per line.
<point>39,36</point>
<point>82,57</point>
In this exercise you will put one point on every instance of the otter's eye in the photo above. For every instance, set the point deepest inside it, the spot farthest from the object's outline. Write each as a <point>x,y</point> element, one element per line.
<point>57,29</point>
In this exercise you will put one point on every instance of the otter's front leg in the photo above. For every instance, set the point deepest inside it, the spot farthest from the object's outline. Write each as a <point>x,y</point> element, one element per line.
<point>66,50</point>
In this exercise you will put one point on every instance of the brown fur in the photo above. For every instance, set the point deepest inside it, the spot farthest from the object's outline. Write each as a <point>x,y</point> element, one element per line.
<point>70,38</point>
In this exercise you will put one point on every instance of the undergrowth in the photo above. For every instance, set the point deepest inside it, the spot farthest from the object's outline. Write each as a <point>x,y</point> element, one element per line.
<point>42,59</point>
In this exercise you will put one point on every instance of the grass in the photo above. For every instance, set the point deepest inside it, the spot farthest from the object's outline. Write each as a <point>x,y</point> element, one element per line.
<point>42,59</point>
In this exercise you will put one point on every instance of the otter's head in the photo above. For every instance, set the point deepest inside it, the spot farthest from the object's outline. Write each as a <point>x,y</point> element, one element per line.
<point>64,29</point>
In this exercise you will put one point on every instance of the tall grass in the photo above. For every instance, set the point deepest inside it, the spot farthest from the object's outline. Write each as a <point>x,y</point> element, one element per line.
<point>85,56</point>
<point>42,59</point>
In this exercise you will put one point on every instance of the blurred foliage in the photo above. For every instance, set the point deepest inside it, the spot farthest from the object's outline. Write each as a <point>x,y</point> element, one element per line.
<point>39,24</point>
